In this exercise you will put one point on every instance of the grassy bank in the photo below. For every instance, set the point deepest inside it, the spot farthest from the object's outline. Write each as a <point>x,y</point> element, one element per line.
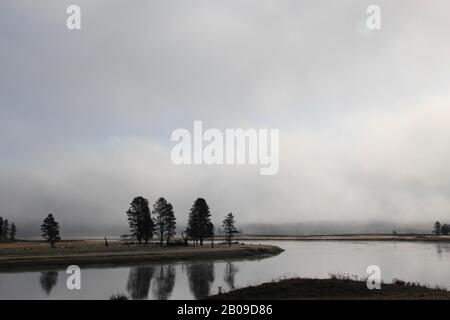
<point>38,255</point>
<point>334,288</point>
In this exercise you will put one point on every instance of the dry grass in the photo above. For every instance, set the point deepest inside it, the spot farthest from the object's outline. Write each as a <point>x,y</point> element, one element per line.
<point>337,287</point>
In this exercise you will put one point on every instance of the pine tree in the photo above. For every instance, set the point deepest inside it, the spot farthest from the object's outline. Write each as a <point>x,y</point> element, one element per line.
<point>140,220</point>
<point>199,223</point>
<point>164,220</point>
<point>171,223</point>
<point>437,228</point>
<point>192,226</point>
<point>228,227</point>
<point>445,229</point>
<point>6,228</point>
<point>12,233</point>
<point>50,230</point>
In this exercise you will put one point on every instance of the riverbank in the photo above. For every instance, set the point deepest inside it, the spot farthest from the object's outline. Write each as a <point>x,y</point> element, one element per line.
<point>331,289</point>
<point>346,237</point>
<point>38,255</point>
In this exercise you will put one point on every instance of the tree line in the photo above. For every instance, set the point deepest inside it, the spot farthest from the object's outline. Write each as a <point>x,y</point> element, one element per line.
<point>145,224</point>
<point>441,229</point>
<point>160,223</point>
<point>7,231</point>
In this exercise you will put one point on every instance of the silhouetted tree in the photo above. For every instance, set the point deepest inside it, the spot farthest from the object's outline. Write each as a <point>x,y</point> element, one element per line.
<point>50,230</point>
<point>12,233</point>
<point>199,223</point>
<point>437,228</point>
<point>164,282</point>
<point>140,220</point>
<point>48,280</point>
<point>164,220</point>
<point>6,228</point>
<point>201,276</point>
<point>148,227</point>
<point>1,227</point>
<point>445,229</point>
<point>171,224</point>
<point>228,227</point>
<point>139,281</point>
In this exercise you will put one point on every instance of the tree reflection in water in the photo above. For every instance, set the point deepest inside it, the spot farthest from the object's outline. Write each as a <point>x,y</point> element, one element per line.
<point>230,274</point>
<point>48,280</point>
<point>164,282</point>
<point>201,276</point>
<point>139,281</point>
<point>442,247</point>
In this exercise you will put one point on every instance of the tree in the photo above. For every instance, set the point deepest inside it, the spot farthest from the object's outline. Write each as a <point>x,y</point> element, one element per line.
<point>140,220</point>
<point>199,223</point>
<point>1,227</point>
<point>437,228</point>
<point>228,227</point>
<point>50,230</point>
<point>171,224</point>
<point>445,229</point>
<point>165,220</point>
<point>6,228</point>
<point>12,233</point>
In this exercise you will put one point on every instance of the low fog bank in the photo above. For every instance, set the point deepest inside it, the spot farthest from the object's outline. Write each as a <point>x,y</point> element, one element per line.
<point>31,230</point>
<point>336,228</point>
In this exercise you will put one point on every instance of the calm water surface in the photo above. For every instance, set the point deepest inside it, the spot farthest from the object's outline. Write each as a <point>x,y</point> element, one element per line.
<point>427,263</point>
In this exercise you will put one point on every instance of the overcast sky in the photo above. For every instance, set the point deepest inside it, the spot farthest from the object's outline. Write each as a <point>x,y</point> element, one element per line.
<point>364,116</point>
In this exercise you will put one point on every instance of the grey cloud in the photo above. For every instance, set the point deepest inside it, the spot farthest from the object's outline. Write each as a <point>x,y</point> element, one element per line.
<point>86,117</point>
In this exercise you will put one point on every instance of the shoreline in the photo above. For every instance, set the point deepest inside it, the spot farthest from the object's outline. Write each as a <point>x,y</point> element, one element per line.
<point>333,289</point>
<point>345,237</point>
<point>32,255</point>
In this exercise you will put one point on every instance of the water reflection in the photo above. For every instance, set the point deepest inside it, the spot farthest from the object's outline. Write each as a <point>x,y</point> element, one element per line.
<point>422,262</point>
<point>139,281</point>
<point>230,274</point>
<point>48,280</point>
<point>201,276</point>
<point>164,282</point>
<point>442,247</point>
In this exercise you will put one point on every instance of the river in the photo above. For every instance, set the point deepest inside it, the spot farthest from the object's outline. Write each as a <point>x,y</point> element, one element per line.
<point>424,262</point>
